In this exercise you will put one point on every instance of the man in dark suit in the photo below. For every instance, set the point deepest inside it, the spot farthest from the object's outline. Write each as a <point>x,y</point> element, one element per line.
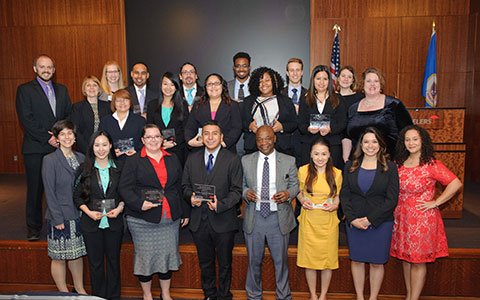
<point>213,223</point>
<point>269,184</point>
<point>191,91</point>
<point>39,103</point>
<point>296,92</point>
<point>139,91</point>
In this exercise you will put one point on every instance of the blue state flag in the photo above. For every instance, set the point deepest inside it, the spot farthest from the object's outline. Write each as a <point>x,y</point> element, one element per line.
<point>429,89</point>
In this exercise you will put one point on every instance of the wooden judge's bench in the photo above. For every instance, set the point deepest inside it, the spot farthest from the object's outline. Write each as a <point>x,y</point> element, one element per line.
<point>446,126</point>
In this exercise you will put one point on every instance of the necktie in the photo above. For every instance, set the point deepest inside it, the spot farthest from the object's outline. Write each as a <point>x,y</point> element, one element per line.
<point>190,96</point>
<point>241,94</point>
<point>265,193</point>
<point>51,99</point>
<point>209,165</point>
<point>295,96</point>
<point>141,101</point>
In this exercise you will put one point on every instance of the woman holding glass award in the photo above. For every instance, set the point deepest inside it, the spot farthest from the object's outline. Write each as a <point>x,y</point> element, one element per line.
<point>170,114</point>
<point>96,194</point>
<point>151,187</point>
<point>267,106</point>
<point>320,184</point>
<point>322,113</point>
<point>123,126</point>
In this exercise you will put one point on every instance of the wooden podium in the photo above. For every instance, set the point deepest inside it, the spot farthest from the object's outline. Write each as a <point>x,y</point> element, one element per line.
<point>446,127</point>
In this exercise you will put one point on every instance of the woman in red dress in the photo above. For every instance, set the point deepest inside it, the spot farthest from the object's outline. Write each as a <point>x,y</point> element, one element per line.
<point>418,232</point>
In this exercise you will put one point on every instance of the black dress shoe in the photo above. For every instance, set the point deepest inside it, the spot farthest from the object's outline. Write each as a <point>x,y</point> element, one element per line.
<point>33,235</point>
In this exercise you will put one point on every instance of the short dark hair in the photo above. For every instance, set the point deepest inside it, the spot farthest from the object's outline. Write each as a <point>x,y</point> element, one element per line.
<point>242,55</point>
<point>187,63</point>
<point>61,125</point>
<point>139,63</point>
<point>148,126</point>
<point>213,123</point>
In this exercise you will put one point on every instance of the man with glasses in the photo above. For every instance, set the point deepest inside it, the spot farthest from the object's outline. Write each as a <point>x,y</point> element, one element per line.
<point>191,91</point>
<point>141,95</point>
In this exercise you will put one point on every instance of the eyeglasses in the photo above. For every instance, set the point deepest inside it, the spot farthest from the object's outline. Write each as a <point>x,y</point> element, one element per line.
<point>241,66</point>
<point>113,72</point>
<point>212,84</point>
<point>188,72</point>
<point>152,137</point>
<point>121,100</point>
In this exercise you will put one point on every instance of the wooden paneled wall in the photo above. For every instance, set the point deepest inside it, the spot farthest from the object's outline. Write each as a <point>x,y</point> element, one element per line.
<point>394,36</point>
<point>80,35</point>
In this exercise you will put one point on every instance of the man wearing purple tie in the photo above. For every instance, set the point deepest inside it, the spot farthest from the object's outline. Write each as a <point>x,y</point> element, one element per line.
<point>270,182</point>
<point>139,91</point>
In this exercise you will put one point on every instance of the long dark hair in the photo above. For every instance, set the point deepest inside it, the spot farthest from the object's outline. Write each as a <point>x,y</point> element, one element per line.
<point>88,166</point>
<point>177,99</point>
<point>310,98</point>
<point>225,96</point>
<point>254,84</point>
<point>426,153</point>
<point>313,172</point>
<point>382,155</point>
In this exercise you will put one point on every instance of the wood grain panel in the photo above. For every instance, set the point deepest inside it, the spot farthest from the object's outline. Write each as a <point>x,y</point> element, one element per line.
<point>451,129</point>
<point>455,162</point>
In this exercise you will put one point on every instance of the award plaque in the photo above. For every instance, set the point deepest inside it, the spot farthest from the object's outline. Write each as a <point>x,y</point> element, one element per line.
<point>124,145</point>
<point>169,134</point>
<point>319,121</point>
<point>136,109</point>
<point>319,200</point>
<point>104,204</point>
<point>204,192</point>
<point>153,196</point>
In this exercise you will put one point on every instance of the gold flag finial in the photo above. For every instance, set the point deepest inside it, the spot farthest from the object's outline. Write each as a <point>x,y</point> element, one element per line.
<point>433,26</point>
<point>336,28</point>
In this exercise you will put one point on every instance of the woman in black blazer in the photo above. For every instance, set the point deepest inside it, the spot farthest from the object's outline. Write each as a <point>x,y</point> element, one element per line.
<point>368,197</point>
<point>96,194</point>
<point>267,106</point>
<point>215,105</point>
<point>86,114</point>
<point>322,99</point>
<point>170,114</point>
<point>124,127</point>
<point>151,187</point>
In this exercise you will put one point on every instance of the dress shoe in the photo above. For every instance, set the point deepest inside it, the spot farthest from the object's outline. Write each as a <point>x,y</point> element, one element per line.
<point>33,235</point>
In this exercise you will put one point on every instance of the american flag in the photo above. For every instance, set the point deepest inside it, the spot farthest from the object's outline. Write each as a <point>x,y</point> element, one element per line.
<point>335,61</point>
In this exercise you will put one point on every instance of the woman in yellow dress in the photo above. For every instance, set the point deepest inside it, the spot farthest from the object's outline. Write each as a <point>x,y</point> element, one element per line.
<point>320,184</point>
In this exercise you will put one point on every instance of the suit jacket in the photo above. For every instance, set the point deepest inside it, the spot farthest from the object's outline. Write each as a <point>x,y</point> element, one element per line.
<point>226,176</point>
<point>285,180</point>
<point>132,129</point>
<point>154,116</point>
<point>83,118</point>
<point>338,121</point>
<point>231,88</point>
<point>58,181</point>
<point>97,194</point>
<point>380,200</point>
<point>36,116</point>
<point>149,96</point>
<point>287,117</point>
<point>198,95</point>
<point>301,96</point>
<point>227,116</point>
<point>138,175</point>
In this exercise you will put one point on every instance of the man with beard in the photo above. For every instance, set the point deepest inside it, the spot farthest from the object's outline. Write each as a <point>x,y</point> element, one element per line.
<point>190,91</point>
<point>40,103</point>
<point>139,91</point>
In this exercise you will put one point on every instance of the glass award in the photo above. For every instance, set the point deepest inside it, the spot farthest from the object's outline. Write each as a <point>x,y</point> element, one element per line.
<point>204,192</point>
<point>104,204</point>
<point>124,145</point>
<point>153,196</point>
<point>319,200</point>
<point>321,121</point>
<point>136,109</point>
<point>169,134</point>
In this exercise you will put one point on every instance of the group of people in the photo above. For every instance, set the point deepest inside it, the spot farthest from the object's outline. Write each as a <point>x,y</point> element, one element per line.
<point>188,155</point>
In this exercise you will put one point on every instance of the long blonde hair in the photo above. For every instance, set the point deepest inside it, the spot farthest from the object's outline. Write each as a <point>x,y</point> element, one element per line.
<point>104,83</point>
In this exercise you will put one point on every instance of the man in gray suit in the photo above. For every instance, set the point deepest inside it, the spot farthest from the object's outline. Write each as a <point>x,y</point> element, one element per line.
<point>269,183</point>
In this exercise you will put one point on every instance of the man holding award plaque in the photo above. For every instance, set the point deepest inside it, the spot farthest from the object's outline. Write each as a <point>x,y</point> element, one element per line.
<point>212,185</point>
<point>269,184</point>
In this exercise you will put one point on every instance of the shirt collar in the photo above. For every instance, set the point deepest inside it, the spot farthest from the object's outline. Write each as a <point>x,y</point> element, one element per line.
<point>109,164</point>
<point>115,115</point>
<point>215,153</point>
<point>271,156</point>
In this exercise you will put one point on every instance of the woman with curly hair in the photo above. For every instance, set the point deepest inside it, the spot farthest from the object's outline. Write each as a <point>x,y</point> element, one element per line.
<point>216,105</point>
<point>321,99</point>
<point>267,106</point>
<point>368,197</point>
<point>418,233</point>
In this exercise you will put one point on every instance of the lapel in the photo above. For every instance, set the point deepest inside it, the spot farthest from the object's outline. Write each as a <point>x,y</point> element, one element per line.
<point>253,167</point>
<point>200,161</point>
<point>151,170</point>
<point>216,165</point>
<point>375,182</point>
<point>44,98</point>
<point>279,170</point>
<point>63,161</point>
<point>220,111</point>
<point>133,94</point>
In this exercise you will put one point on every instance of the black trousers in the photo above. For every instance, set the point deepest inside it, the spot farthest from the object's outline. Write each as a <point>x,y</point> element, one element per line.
<point>103,246</point>
<point>33,205</point>
<point>211,244</point>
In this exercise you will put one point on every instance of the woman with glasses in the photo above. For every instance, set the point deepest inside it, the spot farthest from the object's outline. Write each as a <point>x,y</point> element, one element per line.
<point>155,210</point>
<point>124,127</point>
<point>215,105</point>
<point>112,80</point>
